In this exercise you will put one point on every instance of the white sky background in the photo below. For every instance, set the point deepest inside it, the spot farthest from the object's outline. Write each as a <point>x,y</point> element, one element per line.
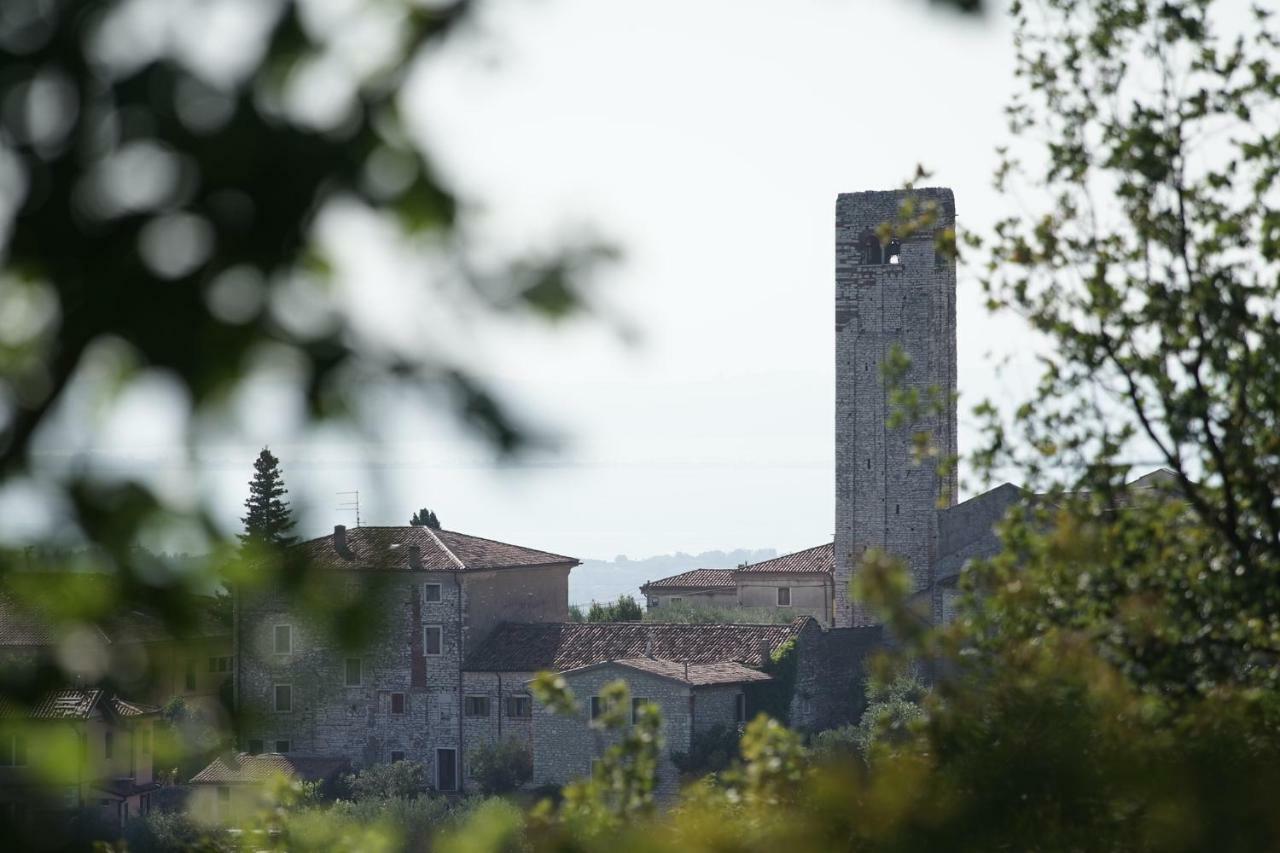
<point>708,139</point>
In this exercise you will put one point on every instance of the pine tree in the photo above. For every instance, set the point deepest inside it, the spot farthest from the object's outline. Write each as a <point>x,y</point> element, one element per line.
<point>425,518</point>
<point>268,519</point>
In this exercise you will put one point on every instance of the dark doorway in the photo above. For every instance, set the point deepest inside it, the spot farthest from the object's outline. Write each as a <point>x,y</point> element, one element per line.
<point>446,770</point>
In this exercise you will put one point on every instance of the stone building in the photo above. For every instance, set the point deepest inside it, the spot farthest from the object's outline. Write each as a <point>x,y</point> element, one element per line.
<point>693,698</point>
<point>699,587</point>
<point>891,297</point>
<point>439,594</point>
<point>800,584</point>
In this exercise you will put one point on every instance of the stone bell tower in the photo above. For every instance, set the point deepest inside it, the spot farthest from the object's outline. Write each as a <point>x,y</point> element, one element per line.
<point>901,293</point>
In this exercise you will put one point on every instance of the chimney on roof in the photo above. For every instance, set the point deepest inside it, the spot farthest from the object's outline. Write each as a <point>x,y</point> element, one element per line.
<point>340,538</point>
<point>766,652</point>
<point>648,644</point>
<point>415,557</point>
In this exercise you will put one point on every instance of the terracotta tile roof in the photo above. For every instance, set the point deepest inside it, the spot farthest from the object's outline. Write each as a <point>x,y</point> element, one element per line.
<point>243,767</point>
<point>696,579</point>
<point>438,551</point>
<point>817,560</point>
<point>694,674</point>
<point>77,703</point>
<point>529,647</point>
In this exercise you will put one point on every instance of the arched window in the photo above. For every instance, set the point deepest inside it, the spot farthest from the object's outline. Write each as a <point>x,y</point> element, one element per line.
<point>893,253</point>
<point>869,244</point>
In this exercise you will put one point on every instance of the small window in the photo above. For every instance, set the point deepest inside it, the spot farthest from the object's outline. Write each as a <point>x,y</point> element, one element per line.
<point>284,639</point>
<point>476,706</point>
<point>784,596</point>
<point>397,703</point>
<point>432,636</point>
<point>655,602</point>
<point>597,707</point>
<point>893,254</point>
<point>676,599</point>
<point>397,755</point>
<point>108,744</point>
<point>255,746</point>
<point>869,243</point>
<point>354,674</point>
<point>284,698</point>
<point>636,704</point>
<point>283,746</point>
<point>519,706</point>
<point>740,708</point>
<point>431,592</point>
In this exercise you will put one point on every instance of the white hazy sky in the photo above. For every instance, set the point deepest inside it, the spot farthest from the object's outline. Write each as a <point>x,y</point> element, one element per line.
<point>708,139</point>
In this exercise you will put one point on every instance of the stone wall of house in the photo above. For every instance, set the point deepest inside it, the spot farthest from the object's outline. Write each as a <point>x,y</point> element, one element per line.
<point>830,675</point>
<point>514,595</point>
<point>810,594</point>
<point>884,498</point>
<point>696,598</point>
<point>564,746</point>
<point>716,705</point>
<point>330,717</point>
<point>497,687</point>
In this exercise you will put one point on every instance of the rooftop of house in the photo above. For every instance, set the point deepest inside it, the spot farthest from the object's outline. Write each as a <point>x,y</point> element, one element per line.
<point>562,646</point>
<point>243,767</point>
<point>692,674</point>
<point>695,579</point>
<point>820,559</point>
<point>414,548</point>
<point>77,703</point>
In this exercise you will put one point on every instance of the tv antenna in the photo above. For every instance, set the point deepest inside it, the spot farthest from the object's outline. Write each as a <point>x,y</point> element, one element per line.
<point>349,502</point>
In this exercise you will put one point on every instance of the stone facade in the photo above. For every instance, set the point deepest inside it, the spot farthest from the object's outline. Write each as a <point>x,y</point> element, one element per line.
<point>897,295</point>
<point>403,694</point>
<point>805,595</point>
<point>564,747</point>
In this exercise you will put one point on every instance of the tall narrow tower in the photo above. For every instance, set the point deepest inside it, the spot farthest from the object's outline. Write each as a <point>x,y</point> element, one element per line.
<point>904,294</point>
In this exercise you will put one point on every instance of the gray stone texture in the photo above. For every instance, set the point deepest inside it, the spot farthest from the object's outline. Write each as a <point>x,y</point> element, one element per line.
<point>884,498</point>
<point>564,746</point>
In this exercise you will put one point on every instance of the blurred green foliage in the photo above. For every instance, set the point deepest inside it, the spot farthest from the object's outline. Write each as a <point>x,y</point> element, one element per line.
<point>625,609</point>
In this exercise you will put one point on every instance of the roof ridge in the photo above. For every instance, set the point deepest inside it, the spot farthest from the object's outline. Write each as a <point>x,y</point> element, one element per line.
<point>509,544</point>
<point>452,556</point>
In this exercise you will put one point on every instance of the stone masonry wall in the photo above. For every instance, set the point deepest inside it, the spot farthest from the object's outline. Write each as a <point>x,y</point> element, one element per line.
<point>356,722</point>
<point>830,672</point>
<point>883,498</point>
<point>482,731</point>
<point>564,746</point>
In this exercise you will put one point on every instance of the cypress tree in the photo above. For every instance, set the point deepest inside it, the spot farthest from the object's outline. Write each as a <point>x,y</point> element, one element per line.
<point>268,519</point>
<point>425,518</point>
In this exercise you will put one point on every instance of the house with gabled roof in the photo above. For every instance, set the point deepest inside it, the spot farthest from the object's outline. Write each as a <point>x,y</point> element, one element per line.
<point>76,750</point>
<point>800,583</point>
<point>438,593</point>
<point>237,785</point>
<point>694,699</point>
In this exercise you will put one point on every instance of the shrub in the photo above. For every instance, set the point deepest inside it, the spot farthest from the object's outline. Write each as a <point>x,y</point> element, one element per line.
<point>398,780</point>
<point>160,832</point>
<point>625,609</point>
<point>502,767</point>
<point>710,751</point>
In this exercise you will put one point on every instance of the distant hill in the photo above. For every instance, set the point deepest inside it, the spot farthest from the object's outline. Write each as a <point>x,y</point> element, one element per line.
<point>605,580</point>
